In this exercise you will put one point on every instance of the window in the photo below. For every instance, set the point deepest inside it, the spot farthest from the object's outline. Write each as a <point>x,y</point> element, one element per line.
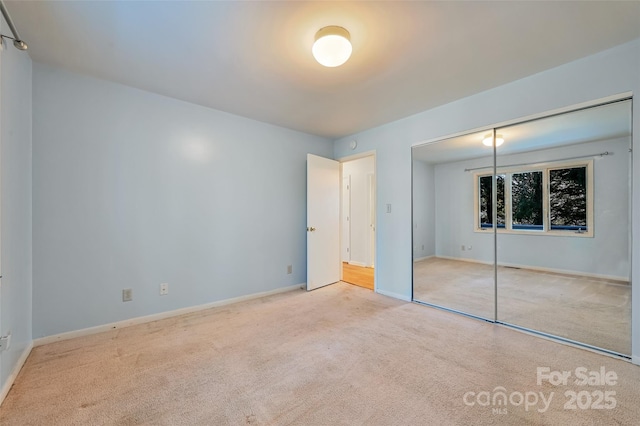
<point>526,200</point>
<point>545,198</point>
<point>568,198</point>
<point>486,202</point>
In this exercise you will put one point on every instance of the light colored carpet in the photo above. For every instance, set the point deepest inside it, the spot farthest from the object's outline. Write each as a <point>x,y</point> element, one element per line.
<point>340,355</point>
<point>587,310</point>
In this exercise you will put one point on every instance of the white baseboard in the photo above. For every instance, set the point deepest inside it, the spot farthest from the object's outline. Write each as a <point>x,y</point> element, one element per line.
<point>635,359</point>
<point>356,263</point>
<point>14,374</point>
<point>541,269</point>
<point>465,259</point>
<point>419,259</point>
<point>394,295</point>
<point>159,316</point>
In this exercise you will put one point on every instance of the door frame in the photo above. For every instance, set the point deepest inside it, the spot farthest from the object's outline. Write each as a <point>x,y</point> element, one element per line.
<point>343,160</point>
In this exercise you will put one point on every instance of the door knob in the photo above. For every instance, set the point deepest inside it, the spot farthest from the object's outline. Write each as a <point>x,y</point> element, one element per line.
<point>310,229</point>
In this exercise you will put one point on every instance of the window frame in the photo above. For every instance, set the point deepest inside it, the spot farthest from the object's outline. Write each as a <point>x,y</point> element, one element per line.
<point>545,168</point>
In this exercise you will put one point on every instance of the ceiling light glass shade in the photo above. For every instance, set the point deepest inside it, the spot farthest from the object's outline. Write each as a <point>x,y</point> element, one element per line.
<point>488,140</point>
<point>332,47</point>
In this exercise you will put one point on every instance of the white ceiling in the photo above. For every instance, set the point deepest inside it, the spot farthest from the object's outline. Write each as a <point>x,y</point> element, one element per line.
<point>254,58</point>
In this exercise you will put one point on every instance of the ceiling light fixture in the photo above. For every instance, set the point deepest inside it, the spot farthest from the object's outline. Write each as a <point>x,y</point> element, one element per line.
<point>488,140</point>
<point>332,47</point>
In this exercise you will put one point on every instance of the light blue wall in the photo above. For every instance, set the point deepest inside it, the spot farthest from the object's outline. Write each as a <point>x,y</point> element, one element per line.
<point>424,215</point>
<point>132,189</point>
<point>15,178</point>
<point>605,74</point>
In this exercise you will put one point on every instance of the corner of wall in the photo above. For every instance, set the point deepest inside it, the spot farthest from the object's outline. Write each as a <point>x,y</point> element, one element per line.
<point>16,111</point>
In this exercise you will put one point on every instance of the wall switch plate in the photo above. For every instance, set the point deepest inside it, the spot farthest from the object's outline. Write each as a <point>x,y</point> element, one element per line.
<point>127,295</point>
<point>164,289</point>
<point>289,269</point>
<point>388,208</point>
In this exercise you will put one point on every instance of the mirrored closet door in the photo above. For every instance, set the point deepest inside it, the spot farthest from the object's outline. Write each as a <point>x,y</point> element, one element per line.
<point>529,225</point>
<point>564,259</point>
<point>453,266</point>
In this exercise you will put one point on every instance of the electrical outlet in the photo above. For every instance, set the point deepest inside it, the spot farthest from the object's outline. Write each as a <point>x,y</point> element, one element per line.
<point>164,289</point>
<point>127,295</point>
<point>463,247</point>
<point>423,247</point>
<point>5,342</point>
<point>289,269</point>
<point>469,247</point>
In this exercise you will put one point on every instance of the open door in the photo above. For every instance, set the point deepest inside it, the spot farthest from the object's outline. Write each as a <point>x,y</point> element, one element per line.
<point>323,221</point>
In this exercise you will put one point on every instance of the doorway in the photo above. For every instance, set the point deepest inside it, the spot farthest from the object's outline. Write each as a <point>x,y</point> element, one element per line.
<point>357,221</point>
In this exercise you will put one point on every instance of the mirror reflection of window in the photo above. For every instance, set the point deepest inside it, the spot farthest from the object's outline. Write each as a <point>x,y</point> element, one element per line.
<point>486,201</point>
<point>568,199</point>
<point>526,200</point>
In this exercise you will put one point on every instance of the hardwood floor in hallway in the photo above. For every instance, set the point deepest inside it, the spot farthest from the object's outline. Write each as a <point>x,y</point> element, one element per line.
<point>357,275</point>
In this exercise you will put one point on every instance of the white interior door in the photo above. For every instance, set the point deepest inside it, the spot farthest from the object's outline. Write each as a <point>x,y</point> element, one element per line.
<point>323,221</point>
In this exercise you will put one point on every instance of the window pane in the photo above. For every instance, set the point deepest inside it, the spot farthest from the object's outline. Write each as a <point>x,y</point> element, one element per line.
<point>486,210</point>
<point>526,199</point>
<point>486,201</point>
<point>500,188</point>
<point>568,198</point>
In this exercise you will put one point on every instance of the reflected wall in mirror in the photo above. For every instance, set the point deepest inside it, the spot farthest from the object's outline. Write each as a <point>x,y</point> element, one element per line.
<point>443,215</point>
<point>540,237</point>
